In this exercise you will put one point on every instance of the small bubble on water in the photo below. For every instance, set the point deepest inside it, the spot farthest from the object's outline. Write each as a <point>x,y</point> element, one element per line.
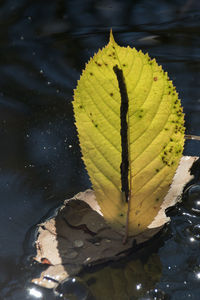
<point>21,38</point>
<point>78,243</point>
<point>192,199</point>
<point>138,286</point>
<point>35,293</point>
<point>88,259</point>
<point>31,165</point>
<point>196,231</point>
<point>48,82</point>
<point>198,275</point>
<point>193,191</point>
<point>41,71</point>
<point>70,146</point>
<point>156,294</point>
<point>193,233</point>
<point>73,288</point>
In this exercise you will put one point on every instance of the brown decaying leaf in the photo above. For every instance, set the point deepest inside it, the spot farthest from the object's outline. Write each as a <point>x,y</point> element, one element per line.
<point>78,235</point>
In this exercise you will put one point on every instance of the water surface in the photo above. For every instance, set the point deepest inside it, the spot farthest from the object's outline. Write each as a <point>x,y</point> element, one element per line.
<point>43,48</point>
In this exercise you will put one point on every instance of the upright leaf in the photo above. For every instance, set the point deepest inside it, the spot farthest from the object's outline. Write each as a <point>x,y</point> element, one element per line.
<point>155,133</point>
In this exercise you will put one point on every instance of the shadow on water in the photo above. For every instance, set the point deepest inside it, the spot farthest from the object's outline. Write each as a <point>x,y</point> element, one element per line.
<point>43,48</point>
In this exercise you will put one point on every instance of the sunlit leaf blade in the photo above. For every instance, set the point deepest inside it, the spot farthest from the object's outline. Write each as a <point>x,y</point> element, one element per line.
<point>155,133</point>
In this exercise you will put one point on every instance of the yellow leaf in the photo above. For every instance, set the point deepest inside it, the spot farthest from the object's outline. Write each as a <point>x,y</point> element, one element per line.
<point>155,133</point>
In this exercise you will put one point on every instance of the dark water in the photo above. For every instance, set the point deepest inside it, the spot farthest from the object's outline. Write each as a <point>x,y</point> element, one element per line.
<point>43,48</point>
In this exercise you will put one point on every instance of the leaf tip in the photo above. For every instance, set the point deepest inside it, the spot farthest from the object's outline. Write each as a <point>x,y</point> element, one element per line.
<point>112,40</point>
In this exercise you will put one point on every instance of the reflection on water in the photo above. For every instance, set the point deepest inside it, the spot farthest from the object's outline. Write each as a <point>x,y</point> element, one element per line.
<point>43,48</point>
<point>74,288</point>
<point>126,279</point>
<point>35,293</point>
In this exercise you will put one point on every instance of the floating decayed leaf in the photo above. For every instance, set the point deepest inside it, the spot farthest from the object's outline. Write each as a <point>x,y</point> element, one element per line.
<point>78,235</point>
<point>131,132</point>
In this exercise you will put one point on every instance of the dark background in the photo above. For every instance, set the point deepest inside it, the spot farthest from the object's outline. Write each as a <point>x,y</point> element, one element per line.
<point>44,45</point>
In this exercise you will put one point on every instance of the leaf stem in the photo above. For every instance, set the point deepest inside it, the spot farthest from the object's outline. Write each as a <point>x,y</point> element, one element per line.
<point>125,188</point>
<point>127,221</point>
<point>192,137</point>
<point>124,131</point>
